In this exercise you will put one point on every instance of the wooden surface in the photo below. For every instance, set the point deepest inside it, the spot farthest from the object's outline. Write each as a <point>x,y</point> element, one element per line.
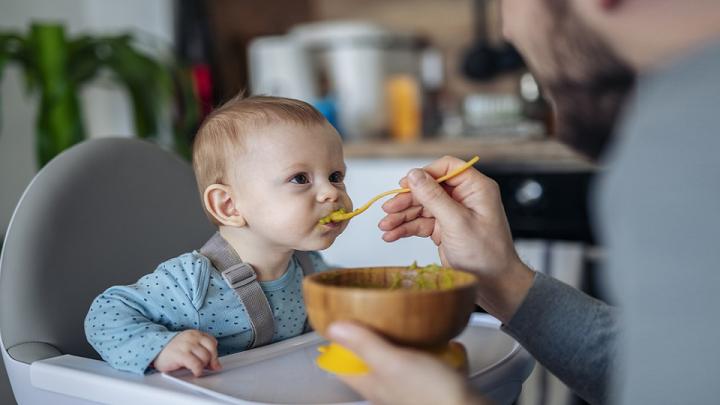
<point>408,317</point>
<point>490,150</point>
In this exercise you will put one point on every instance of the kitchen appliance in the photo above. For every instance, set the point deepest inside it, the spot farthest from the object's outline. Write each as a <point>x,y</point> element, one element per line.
<point>348,62</point>
<point>280,66</point>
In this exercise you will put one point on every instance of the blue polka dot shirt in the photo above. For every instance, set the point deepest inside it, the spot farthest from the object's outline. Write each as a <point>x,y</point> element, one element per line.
<point>129,325</point>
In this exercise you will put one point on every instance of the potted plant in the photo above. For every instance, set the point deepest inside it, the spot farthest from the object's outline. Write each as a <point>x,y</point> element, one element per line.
<point>56,67</point>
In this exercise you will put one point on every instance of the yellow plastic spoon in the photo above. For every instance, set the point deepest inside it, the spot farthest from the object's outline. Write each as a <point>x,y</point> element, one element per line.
<point>341,215</point>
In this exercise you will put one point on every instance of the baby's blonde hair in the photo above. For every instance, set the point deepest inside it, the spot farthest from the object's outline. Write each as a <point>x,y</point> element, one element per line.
<point>221,136</point>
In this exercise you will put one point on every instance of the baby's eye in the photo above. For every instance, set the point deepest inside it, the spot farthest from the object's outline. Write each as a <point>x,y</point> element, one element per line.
<point>337,177</point>
<point>300,178</point>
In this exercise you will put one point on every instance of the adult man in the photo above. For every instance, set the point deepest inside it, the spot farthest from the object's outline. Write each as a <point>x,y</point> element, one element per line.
<point>655,212</point>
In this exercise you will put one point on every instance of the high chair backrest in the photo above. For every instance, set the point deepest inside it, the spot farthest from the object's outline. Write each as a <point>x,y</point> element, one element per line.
<point>102,213</point>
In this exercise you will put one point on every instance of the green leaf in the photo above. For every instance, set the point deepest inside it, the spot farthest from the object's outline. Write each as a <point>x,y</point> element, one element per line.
<point>3,54</point>
<point>84,62</point>
<point>17,49</point>
<point>151,85</point>
<point>12,48</point>
<point>59,120</point>
<point>144,81</point>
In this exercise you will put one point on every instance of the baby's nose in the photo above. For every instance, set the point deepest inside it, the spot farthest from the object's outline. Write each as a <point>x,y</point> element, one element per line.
<point>329,193</point>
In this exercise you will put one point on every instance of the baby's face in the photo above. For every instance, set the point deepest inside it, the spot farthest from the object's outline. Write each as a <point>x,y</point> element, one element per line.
<point>288,177</point>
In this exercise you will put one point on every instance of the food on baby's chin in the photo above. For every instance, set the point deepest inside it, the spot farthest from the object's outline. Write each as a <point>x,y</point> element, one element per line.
<point>333,217</point>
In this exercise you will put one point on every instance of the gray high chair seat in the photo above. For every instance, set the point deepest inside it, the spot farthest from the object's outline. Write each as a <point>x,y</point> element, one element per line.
<point>108,211</point>
<point>104,212</point>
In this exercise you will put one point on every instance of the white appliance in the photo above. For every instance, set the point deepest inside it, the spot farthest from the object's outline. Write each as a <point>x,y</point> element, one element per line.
<point>280,66</point>
<point>348,60</point>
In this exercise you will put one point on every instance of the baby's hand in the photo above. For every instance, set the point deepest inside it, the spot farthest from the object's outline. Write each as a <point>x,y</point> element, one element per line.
<point>189,349</point>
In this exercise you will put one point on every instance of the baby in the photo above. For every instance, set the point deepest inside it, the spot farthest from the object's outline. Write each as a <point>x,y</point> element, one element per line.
<point>268,169</point>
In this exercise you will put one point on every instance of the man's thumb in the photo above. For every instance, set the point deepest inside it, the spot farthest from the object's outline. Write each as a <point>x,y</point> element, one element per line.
<point>432,196</point>
<point>364,343</point>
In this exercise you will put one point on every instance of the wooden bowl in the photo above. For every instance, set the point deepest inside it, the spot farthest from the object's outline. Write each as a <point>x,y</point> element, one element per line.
<point>407,315</point>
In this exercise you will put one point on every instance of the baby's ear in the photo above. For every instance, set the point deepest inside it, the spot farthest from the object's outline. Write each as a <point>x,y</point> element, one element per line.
<point>218,200</point>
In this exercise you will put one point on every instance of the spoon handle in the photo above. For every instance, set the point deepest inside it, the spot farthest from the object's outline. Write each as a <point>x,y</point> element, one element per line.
<point>450,175</point>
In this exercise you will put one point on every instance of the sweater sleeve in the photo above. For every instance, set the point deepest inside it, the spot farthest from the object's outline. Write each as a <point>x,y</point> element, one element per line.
<point>130,325</point>
<point>570,333</point>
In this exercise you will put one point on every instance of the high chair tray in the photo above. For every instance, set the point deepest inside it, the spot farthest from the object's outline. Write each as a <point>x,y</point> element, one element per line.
<point>281,373</point>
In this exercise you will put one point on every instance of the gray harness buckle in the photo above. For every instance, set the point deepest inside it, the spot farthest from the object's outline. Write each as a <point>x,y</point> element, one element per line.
<point>239,275</point>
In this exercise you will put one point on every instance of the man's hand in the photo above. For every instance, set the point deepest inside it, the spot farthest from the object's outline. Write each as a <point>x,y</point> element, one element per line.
<point>189,349</point>
<point>399,376</point>
<point>465,218</point>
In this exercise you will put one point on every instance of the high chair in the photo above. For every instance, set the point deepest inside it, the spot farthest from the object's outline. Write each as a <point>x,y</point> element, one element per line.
<point>106,212</point>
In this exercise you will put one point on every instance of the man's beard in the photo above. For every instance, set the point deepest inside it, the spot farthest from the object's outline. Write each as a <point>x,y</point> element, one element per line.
<point>587,113</point>
<point>590,87</point>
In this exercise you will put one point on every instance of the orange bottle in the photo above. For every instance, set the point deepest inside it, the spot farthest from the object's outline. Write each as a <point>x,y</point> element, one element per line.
<point>404,102</point>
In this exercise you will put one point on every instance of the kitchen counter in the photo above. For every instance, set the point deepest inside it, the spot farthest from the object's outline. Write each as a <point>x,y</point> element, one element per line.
<point>537,152</point>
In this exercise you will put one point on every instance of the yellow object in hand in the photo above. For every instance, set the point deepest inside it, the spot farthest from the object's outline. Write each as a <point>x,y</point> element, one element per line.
<point>342,215</point>
<point>336,359</point>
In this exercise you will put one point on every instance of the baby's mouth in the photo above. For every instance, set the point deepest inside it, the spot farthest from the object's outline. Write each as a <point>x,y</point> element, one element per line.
<point>332,217</point>
<point>332,225</point>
